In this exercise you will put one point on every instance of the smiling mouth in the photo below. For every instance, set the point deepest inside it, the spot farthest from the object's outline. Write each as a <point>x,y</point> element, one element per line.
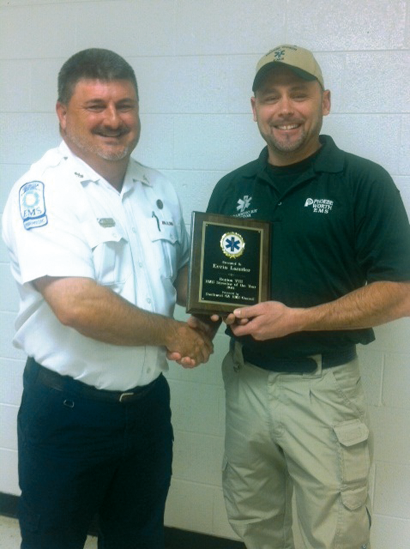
<point>287,127</point>
<point>116,135</point>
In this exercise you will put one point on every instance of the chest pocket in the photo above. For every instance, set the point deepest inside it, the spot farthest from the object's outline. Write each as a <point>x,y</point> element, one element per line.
<point>111,254</point>
<point>165,243</point>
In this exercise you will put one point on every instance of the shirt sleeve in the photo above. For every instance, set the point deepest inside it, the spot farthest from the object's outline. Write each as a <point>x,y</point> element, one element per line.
<point>55,248</point>
<point>382,229</point>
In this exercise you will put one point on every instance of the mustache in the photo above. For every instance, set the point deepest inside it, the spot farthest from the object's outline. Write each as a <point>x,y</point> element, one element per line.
<point>108,132</point>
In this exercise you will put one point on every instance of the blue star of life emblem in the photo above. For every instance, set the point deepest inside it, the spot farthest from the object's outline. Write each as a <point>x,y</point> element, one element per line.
<point>232,245</point>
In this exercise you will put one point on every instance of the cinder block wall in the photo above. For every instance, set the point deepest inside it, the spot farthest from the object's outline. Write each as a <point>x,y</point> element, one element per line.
<point>194,60</point>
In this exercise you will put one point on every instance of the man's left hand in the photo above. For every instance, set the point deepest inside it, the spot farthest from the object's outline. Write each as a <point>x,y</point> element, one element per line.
<point>266,320</point>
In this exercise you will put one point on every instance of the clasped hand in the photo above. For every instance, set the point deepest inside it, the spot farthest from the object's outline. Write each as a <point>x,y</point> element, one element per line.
<point>267,320</point>
<point>190,344</point>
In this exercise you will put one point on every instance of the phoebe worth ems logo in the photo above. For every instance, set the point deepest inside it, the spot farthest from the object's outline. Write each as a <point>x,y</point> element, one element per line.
<point>319,205</point>
<point>33,205</point>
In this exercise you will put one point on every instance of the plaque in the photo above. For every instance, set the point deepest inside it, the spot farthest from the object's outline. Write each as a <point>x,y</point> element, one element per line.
<point>229,263</point>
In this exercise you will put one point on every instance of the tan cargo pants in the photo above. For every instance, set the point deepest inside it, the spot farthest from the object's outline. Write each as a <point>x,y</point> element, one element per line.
<point>306,433</point>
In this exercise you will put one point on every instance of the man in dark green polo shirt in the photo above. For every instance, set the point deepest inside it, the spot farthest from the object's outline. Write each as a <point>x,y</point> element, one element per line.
<point>296,414</point>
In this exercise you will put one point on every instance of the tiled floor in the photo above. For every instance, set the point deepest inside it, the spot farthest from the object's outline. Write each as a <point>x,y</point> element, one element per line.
<point>10,535</point>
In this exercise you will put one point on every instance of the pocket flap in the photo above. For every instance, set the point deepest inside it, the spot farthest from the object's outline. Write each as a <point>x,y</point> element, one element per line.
<point>159,230</point>
<point>353,499</point>
<point>352,432</point>
<point>95,234</point>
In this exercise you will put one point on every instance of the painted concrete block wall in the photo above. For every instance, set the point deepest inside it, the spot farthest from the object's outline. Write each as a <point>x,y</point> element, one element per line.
<point>195,60</point>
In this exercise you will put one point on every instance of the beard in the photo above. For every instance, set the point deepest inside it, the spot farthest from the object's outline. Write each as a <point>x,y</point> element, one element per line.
<point>88,146</point>
<point>287,144</point>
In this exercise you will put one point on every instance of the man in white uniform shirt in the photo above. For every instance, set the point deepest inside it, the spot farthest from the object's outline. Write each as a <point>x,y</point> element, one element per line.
<point>99,252</point>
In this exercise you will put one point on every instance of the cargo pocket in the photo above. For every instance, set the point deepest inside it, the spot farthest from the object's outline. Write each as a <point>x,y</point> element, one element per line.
<point>353,438</point>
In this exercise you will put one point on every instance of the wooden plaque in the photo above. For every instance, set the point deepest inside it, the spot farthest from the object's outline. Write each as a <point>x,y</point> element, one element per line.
<point>229,263</point>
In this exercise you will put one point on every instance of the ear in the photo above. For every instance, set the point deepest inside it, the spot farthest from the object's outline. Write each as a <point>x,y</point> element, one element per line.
<point>326,102</point>
<point>253,104</point>
<point>61,111</point>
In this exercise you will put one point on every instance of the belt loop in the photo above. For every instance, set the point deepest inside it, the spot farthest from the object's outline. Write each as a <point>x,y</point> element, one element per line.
<point>32,369</point>
<point>237,356</point>
<point>319,361</point>
<point>124,396</point>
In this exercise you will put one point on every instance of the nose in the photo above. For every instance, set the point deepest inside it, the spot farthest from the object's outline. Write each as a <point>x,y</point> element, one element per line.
<point>112,118</point>
<point>285,105</point>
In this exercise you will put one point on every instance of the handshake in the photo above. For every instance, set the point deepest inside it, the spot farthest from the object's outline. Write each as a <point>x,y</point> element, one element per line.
<point>190,343</point>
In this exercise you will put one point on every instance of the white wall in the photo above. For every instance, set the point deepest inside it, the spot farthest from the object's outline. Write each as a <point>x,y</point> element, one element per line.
<point>195,61</point>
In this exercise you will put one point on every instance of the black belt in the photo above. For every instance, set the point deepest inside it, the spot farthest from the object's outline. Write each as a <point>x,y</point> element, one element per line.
<point>58,382</point>
<point>301,364</point>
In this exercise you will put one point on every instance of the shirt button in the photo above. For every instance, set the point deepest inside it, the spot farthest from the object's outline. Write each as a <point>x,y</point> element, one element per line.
<point>148,300</point>
<point>139,264</point>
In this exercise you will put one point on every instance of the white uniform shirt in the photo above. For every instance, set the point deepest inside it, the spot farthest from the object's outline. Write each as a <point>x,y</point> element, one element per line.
<point>62,219</point>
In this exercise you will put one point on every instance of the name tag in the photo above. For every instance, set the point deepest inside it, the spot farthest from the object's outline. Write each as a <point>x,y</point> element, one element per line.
<point>106,222</point>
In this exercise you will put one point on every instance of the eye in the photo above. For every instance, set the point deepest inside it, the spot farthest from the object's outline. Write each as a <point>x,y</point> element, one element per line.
<point>300,96</point>
<point>95,108</point>
<point>125,108</point>
<point>270,99</point>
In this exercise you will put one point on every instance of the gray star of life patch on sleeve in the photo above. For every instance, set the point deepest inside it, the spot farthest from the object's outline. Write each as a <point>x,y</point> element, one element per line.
<point>33,205</point>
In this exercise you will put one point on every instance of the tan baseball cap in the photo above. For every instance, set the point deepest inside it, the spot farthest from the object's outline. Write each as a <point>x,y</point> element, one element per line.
<point>301,61</point>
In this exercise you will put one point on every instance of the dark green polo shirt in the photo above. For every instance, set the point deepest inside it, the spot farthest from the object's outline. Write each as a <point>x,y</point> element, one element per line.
<point>338,222</point>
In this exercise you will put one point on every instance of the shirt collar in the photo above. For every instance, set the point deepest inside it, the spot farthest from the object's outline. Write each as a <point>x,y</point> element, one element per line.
<point>81,169</point>
<point>135,171</point>
<point>330,158</point>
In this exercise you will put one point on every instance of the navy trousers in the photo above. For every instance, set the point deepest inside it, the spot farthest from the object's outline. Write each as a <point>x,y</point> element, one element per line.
<point>80,457</point>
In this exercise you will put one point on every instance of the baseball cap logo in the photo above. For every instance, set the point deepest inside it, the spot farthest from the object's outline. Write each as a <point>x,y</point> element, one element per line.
<point>279,54</point>
<point>298,59</point>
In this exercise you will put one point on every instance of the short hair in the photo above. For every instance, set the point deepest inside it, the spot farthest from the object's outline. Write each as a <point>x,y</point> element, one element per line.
<point>93,64</point>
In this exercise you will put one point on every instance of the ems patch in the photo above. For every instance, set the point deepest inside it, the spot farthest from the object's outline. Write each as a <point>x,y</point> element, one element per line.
<point>33,205</point>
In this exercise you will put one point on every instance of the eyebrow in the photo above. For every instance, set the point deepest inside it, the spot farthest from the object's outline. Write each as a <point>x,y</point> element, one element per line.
<point>301,86</point>
<point>101,101</point>
<point>275,89</point>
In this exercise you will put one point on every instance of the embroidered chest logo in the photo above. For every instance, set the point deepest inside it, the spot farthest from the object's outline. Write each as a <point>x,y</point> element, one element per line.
<point>319,205</point>
<point>243,207</point>
<point>244,203</point>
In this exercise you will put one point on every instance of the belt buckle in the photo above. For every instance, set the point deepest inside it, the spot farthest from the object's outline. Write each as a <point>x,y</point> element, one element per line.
<point>123,396</point>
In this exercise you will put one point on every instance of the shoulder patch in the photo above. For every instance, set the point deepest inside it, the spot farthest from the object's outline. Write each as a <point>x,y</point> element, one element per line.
<point>33,205</point>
